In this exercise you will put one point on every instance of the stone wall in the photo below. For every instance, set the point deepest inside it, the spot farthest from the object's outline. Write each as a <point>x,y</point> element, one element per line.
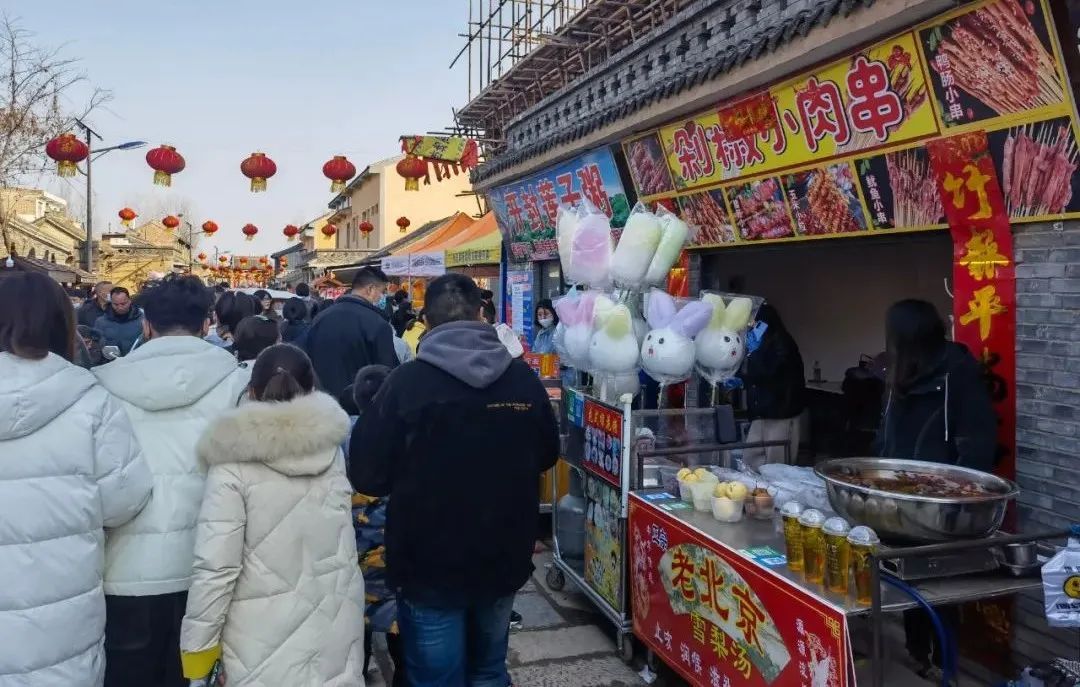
<point>1048,405</point>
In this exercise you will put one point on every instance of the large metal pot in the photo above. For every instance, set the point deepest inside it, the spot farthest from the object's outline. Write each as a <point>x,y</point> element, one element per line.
<point>921,519</point>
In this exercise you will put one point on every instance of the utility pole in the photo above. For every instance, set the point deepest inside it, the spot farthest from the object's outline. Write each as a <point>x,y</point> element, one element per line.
<point>88,245</point>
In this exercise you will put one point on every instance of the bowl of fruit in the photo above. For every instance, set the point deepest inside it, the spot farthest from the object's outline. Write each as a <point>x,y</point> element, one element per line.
<point>727,501</point>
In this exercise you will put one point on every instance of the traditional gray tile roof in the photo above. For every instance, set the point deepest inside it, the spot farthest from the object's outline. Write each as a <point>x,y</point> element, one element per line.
<point>702,42</point>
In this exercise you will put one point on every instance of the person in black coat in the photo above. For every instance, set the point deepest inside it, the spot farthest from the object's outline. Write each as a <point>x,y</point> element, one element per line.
<point>352,333</point>
<point>937,405</point>
<point>464,418</point>
<point>94,306</point>
<point>122,323</point>
<point>775,383</point>
<point>294,323</point>
<point>937,409</point>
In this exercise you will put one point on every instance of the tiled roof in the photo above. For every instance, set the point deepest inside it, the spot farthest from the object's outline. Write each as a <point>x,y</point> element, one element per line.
<point>760,38</point>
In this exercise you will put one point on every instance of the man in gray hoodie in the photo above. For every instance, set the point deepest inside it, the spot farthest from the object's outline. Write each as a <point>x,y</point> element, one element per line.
<point>463,418</point>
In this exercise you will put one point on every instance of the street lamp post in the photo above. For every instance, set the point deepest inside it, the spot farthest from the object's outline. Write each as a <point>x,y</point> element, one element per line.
<point>88,245</point>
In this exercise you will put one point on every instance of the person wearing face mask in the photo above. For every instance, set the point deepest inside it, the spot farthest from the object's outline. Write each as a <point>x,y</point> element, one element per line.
<point>352,333</point>
<point>546,319</point>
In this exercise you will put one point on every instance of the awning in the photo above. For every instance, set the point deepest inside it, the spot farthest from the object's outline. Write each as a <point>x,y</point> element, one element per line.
<point>427,257</point>
<point>482,246</point>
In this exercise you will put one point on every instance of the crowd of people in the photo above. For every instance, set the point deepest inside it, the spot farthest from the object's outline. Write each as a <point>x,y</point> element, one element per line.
<point>196,488</point>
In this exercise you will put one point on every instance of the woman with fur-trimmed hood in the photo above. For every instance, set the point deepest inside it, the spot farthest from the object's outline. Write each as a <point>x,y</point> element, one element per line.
<point>276,595</point>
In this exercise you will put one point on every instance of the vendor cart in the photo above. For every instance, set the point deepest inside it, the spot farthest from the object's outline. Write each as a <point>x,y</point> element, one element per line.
<point>610,450</point>
<point>718,604</point>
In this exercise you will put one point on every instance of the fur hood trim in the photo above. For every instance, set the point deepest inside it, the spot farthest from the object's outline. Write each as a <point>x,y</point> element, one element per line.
<point>298,437</point>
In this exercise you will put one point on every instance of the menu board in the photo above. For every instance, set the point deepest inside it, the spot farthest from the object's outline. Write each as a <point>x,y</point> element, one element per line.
<point>840,150</point>
<point>527,210</point>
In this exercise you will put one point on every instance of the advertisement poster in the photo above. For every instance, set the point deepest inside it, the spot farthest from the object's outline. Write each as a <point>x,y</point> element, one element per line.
<point>718,619</point>
<point>603,547</point>
<point>603,442</point>
<point>527,210</point>
<point>857,129</point>
<point>519,283</point>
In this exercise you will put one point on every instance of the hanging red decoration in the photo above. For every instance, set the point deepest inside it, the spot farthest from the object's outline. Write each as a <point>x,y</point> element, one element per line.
<point>67,151</point>
<point>339,170</point>
<point>283,261</point>
<point>329,230</point>
<point>258,167</point>
<point>366,227</point>
<point>243,261</point>
<point>249,232</point>
<point>224,259</point>
<point>403,223</point>
<point>165,162</point>
<point>171,222</point>
<point>202,257</point>
<point>291,231</point>
<point>263,260</point>
<point>413,169</point>
<point>209,227</point>
<point>127,215</point>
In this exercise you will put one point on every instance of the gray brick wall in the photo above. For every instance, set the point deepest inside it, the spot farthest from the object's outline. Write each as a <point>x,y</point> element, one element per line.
<point>1047,405</point>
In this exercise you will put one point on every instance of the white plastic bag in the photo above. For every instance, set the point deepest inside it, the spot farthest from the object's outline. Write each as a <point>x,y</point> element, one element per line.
<point>1061,584</point>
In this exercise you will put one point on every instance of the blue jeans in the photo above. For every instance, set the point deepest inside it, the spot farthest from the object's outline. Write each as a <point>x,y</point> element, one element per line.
<point>456,647</point>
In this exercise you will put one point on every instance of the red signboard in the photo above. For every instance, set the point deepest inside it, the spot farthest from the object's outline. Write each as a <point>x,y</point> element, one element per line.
<point>984,276</point>
<point>603,442</point>
<point>719,619</point>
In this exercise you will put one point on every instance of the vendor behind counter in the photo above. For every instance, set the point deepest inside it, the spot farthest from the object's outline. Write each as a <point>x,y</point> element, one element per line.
<point>774,379</point>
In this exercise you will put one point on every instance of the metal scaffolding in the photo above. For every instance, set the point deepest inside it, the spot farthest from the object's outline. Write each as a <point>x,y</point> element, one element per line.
<point>520,51</point>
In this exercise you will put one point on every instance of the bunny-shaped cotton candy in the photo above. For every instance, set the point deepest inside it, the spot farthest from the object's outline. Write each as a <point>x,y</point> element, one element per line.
<point>613,348</point>
<point>575,312</point>
<point>590,256</point>
<point>721,346</point>
<point>675,231</point>
<point>635,251</point>
<point>667,354</point>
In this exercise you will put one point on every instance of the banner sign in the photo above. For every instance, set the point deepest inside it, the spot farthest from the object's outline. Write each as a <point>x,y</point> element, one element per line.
<point>720,619</point>
<point>603,441</point>
<point>603,541</point>
<point>984,274</point>
<point>415,265</point>
<point>526,210</point>
<point>520,285</point>
<point>841,150</point>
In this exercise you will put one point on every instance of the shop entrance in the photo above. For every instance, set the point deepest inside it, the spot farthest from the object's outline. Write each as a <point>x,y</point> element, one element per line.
<point>832,296</point>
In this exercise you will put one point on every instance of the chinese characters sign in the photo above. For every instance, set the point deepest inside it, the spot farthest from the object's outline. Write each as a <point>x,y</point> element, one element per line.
<point>984,277</point>
<point>719,619</point>
<point>603,441</point>
<point>840,151</point>
<point>527,210</point>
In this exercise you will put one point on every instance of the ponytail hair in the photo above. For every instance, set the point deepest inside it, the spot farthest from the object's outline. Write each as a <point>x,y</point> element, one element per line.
<point>281,373</point>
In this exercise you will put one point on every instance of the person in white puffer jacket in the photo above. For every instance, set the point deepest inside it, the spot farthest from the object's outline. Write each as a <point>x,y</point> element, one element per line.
<point>69,467</point>
<point>277,596</point>
<point>172,387</point>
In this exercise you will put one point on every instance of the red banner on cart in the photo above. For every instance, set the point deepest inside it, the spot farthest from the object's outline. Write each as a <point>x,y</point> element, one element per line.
<point>984,277</point>
<point>603,442</point>
<point>719,619</point>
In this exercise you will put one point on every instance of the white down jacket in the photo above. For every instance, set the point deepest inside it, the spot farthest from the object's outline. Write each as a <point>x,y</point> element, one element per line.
<point>277,593</point>
<point>69,466</point>
<point>172,388</point>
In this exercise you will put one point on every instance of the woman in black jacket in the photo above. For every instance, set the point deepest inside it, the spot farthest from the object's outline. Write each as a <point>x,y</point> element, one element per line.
<point>937,409</point>
<point>937,405</point>
<point>775,390</point>
<point>294,324</point>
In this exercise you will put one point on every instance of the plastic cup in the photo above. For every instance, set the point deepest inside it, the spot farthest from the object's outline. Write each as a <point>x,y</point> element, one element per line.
<point>863,542</point>
<point>793,534</point>
<point>813,544</point>
<point>684,491</point>
<point>837,554</point>
<point>702,492</point>
<point>725,509</point>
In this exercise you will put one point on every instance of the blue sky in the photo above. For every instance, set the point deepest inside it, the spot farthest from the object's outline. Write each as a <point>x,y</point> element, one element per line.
<point>220,79</point>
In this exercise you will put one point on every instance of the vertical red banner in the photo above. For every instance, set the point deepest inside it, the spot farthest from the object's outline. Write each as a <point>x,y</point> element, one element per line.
<point>984,275</point>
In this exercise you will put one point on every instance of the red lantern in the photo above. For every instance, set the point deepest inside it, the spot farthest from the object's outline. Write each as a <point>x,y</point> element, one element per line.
<point>126,216</point>
<point>413,169</point>
<point>258,168</point>
<point>366,227</point>
<point>165,162</point>
<point>224,259</point>
<point>263,260</point>
<point>171,222</point>
<point>249,232</point>
<point>291,231</point>
<point>67,151</point>
<point>339,170</point>
<point>202,257</point>
<point>284,261</point>
<point>329,230</point>
<point>403,223</point>
<point>243,261</point>
<point>209,227</point>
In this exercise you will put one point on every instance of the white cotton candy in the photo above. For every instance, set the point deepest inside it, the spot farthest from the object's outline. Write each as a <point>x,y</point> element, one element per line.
<point>635,251</point>
<point>675,231</point>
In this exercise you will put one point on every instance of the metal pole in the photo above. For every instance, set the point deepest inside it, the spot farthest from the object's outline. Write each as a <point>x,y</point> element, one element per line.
<point>88,245</point>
